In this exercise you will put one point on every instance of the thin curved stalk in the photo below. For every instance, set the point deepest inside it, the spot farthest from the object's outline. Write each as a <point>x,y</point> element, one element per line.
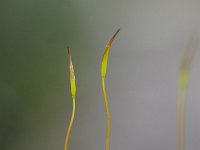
<point>182,88</point>
<point>73,93</point>
<point>103,74</point>
<point>107,114</point>
<point>70,125</point>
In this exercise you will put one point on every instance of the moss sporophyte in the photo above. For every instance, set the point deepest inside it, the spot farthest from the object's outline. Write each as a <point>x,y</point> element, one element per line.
<point>73,93</point>
<point>182,87</point>
<point>103,74</point>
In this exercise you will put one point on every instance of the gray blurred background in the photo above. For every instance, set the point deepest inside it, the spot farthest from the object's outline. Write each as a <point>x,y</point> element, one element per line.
<point>35,100</point>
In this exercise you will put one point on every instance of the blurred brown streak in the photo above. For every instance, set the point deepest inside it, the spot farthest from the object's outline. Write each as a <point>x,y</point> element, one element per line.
<point>189,53</point>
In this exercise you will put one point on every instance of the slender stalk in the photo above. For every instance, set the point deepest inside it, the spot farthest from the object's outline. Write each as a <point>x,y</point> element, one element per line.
<point>182,88</point>
<point>181,120</point>
<point>70,125</point>
<point>103,74</point>
<point>107,114</point>
<point>73,93</point>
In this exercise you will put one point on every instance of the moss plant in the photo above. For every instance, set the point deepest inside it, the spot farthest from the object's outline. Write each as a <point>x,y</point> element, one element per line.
<point>103,74</point>
<point>183,82</point>
<point>182,87</point>
<point>73,93</point>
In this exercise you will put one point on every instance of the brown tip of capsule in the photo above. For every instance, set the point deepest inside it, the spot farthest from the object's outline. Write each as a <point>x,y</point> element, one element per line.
<point>69,55</point>
<point>68,50</point>
<point>113,37</point>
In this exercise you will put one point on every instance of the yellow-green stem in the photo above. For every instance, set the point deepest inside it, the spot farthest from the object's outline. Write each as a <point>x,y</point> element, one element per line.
<point>70,124</point>
<point>107,114</point>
